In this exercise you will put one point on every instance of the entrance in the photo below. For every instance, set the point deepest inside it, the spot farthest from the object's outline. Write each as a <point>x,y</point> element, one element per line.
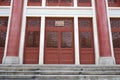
<point>59,41</point>
<point>32,37</point>
<point>86,42</point>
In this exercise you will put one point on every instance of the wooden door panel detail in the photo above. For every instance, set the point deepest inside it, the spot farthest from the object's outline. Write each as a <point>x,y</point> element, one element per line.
<point>87,56</point>
<point>31,48</point>
<point>51,51</point>
<point>59,41</point>
<point>1,54</point>
<point>51,40</point>
<point>67,56</point>
<point>85,40</point>
<point>51,56</point>
<point>31,56</point>
<point>66,40</point>
<point>52,2</point>
<point>84,3</point>
<point>117,55</point>
<point>66,3</point>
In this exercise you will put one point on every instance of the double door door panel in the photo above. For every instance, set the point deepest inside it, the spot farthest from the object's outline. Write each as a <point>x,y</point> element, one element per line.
<point>59,48</point>
<point>59,43</point>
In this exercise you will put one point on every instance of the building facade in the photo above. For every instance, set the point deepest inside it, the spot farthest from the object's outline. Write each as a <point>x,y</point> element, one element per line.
<point>60,32</point>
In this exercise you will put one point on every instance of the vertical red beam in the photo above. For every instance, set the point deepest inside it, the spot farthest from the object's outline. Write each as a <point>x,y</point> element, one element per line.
<point>15,28</point>
<point>103,30</point>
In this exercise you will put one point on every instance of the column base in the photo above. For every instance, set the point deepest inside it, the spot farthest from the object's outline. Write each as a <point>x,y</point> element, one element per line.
<point>11,60</point>
<point>106,61</point>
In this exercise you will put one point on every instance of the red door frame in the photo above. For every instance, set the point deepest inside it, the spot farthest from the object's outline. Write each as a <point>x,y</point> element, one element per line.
<point>59,55</point>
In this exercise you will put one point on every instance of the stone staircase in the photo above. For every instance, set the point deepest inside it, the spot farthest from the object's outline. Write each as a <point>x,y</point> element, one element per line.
<point>59,72</point>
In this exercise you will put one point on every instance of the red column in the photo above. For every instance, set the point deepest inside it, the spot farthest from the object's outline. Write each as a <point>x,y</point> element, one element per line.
<point>103,30</point>
<point>15,28</point>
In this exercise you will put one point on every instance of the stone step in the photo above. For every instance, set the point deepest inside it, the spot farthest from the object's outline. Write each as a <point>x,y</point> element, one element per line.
<point>60,77</point>
<point>66,68</point>
<point>59,66</point>
<point>59,72</point>
<point>59,69</point>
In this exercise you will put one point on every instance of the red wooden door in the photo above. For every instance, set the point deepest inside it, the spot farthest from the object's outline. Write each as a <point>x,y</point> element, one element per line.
<point>31,49</point>
<point>115,26</point>
<point>59,43</point>
<point>87,55</point>
<point>3,30</point>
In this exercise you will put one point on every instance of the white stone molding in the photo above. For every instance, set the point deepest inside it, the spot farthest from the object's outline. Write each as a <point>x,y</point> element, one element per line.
<point>76,41</point>
<point>95,33</point>
<point>22,37</point>
<point>42,39</point>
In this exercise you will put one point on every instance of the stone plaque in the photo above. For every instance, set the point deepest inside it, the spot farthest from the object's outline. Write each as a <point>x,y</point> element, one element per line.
<point>59,23</point>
